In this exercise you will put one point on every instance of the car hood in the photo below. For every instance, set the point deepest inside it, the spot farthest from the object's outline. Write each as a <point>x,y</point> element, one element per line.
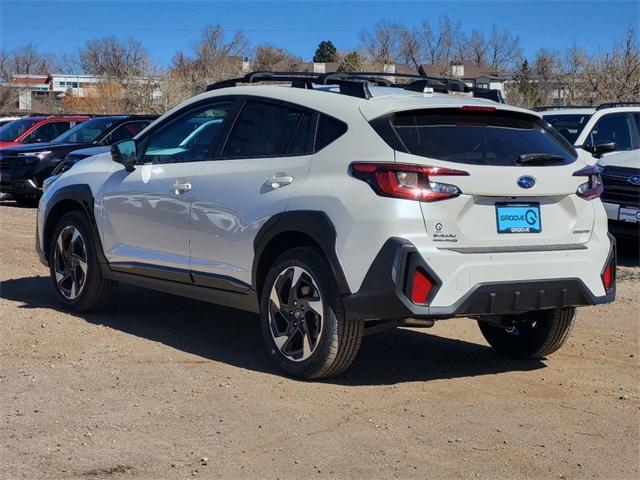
<point>628,159</point>
<point>54,147</point>
<point>88,152</point>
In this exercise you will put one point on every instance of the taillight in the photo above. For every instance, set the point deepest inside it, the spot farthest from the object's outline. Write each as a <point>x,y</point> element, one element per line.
<point>412,182</point>
<point>608,275</point>
<point>420,287</point>
<point>592,188</point>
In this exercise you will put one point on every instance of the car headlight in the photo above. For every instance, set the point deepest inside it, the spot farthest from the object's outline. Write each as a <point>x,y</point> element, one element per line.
<point>31,157</point>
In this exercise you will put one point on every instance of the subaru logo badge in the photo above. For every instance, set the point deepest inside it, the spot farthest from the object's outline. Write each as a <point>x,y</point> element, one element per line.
<point>634,179</point>
<point>526,182</point>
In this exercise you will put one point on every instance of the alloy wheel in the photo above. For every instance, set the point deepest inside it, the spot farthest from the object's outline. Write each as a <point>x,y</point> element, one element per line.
<point>70,262</point>
<point>296,313</point>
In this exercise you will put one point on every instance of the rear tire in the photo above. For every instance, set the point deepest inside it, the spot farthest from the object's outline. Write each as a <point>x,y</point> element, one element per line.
<point>303,319</point>
<point>530,335</point>
<point>74,268</point>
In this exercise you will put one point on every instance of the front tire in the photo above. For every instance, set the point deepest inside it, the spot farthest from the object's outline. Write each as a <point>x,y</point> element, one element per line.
<point>530,335</point>
<point>303,319</point>
<point>74,267</point>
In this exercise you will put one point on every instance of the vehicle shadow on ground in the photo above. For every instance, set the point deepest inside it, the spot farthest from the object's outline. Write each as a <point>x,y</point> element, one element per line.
<point>234,337</point>
<point>13,203</point>
<point>628,252</point>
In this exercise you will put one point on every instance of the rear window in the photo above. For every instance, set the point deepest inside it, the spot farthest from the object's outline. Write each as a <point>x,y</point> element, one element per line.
<point>569,126</point>
<point>477,138</point>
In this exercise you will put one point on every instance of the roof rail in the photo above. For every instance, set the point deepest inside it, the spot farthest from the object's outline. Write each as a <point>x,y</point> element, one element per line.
<point>560,107</point>
<point>355,84</point>
<point>617,104</point>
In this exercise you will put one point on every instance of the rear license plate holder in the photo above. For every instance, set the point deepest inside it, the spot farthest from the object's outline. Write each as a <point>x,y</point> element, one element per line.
<point>518,218</point>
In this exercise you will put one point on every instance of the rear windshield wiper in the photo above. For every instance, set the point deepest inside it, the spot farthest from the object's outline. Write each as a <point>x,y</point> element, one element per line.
<point>539,159</point>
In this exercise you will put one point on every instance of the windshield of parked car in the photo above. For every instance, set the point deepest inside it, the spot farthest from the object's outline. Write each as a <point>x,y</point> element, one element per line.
<point>12,130</point>
<point>89,131</point>
<point>479,138</point>
<point>569,126</point>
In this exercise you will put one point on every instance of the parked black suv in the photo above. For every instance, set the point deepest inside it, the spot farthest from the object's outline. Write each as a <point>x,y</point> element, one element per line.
<point>24,168</point>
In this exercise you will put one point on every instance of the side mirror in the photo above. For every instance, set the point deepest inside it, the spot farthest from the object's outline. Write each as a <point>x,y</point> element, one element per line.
<point>125,153</point>
<point>603,147</point>
<point>600,148</point>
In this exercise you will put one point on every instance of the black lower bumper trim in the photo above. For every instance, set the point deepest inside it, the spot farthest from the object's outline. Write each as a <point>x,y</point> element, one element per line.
<point>24,187</point>
<point>381,295</point>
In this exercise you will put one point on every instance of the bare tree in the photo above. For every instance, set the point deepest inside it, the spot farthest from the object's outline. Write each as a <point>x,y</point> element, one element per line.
<point>113,58</point>
<point>26,60</point>
<point>442,43</point>
<point>615,76</point>
<point>216,56</point>
<point>7,103</point>
<point>573,76</point>
<point>477,49</point>
<point>270,57</point>
<point>503,49</point>
<point>127,63</point>
<point>382,45</point>
<point>547,68</point>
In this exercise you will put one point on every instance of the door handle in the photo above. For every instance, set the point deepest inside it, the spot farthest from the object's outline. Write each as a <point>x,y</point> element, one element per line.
<point>278,180</point>
<point>180,187</point>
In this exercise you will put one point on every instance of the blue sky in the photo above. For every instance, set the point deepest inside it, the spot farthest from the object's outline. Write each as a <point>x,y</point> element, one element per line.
<point>167,26</point>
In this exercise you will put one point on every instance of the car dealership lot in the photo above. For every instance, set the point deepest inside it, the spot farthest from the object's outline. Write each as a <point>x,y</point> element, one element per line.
<point>166,387</point>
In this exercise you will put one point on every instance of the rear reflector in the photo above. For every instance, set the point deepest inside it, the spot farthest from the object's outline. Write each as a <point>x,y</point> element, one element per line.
<point>608,277</point>
<point>421,287</point>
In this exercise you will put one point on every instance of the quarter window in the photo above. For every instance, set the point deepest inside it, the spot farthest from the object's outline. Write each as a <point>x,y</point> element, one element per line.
<point>329,130</point>
<point>266,130</point>
<point>615,127</point>
<point>190,138</point>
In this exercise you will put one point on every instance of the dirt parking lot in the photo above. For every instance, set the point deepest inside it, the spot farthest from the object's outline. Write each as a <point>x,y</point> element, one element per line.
<point>165,387</point>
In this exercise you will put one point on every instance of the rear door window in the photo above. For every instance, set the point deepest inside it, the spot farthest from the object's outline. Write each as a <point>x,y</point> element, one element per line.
<point>478,138</point>
<point>47,132</point>
<point>265,129</point>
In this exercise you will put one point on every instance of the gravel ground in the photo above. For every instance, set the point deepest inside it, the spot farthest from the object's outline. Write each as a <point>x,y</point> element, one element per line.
<point>165,387</point>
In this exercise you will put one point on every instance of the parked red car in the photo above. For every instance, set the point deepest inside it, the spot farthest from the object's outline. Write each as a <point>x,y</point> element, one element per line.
<point>37,129</point>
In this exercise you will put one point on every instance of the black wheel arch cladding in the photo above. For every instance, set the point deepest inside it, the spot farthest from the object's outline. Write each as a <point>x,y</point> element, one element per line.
<point>315,225</point>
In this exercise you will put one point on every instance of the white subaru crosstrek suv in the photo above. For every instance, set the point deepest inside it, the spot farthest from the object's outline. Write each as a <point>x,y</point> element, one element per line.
<point>611,132</point>
<point>337,206</point>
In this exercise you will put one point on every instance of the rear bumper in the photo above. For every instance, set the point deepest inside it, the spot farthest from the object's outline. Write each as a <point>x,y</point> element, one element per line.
<point>383,296</point>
